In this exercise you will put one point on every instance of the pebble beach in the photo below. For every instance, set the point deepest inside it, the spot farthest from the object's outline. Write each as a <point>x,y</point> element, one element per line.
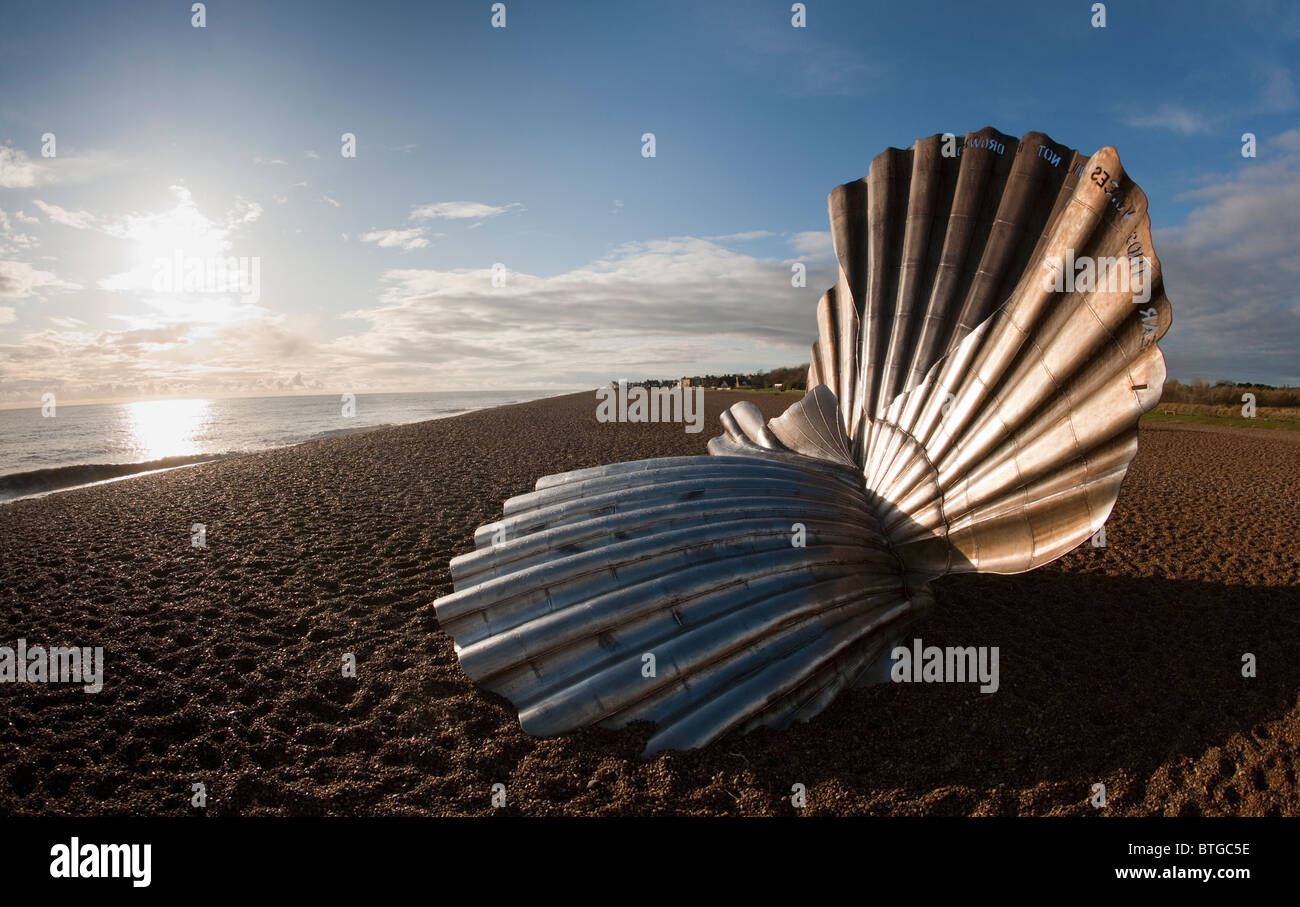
<point>1120,665</point>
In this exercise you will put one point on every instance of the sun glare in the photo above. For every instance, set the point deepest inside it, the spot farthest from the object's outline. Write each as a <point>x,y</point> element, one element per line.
<point>167,428</point>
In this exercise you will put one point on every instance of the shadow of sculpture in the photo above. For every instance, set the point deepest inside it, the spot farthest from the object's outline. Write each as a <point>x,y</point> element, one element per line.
<point>1102,678</point>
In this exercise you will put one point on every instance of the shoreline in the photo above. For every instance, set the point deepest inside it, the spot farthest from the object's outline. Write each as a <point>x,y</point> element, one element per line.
<point>117,472</point>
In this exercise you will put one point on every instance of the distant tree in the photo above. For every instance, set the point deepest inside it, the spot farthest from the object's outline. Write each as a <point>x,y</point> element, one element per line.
<point>1228,393</point>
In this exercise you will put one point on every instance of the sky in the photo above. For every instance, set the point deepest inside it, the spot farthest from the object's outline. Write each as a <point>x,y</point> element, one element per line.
<point>499,225</point>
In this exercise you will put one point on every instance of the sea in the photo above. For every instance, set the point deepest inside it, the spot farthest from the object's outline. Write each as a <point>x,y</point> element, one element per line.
<point>78,445</point>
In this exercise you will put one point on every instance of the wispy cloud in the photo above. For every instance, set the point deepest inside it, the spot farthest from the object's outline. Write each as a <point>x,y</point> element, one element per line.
<point>460,210</point>
<point>19,280</point>
<point>12,238</point>
<point>78,220</point>
<point>1173,117</point>
<point>742,237</point>
<point>406,240</point>
<point>19,171</point>
<point>1278,92</point>
<point>796,61</point>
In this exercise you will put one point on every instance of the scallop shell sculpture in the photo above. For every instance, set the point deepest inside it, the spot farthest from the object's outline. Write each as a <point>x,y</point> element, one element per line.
<point>974,406</point>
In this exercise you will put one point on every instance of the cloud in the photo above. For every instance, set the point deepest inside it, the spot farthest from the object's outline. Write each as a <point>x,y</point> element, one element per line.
<point>162,359</point>
<point>661,307</point>
<point>836,72</point>
<point>406,240</point>
<point>813,244</point>
<point>797,63</point>
<point>78,220</point>
<point>268,162</point>
<point>1231,271</point>
<point>1173,117</point>
<point>1278,93</point>
<point>244,211</point>
<point>664,307</point>
<point>7,315</point>
<point>183,228</point>
<point>18,280</point>
<point>18,171</point>
<point>741,237</point>
<point>1287,143</point>
<point>330,200</point>
<point>12,239</point>
<point>460,210</point>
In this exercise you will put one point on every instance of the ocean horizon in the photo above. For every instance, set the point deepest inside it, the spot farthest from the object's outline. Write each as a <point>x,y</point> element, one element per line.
<point>86,443</point>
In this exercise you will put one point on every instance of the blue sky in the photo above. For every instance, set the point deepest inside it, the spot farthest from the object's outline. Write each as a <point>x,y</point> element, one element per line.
<point>522,146</point>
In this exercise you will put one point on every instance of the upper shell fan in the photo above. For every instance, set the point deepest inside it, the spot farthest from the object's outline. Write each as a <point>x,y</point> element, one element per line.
<point>991,341</point>
<point>973,406</point>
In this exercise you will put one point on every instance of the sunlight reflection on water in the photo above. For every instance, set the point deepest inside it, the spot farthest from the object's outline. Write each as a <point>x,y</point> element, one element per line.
<point>167,428</point>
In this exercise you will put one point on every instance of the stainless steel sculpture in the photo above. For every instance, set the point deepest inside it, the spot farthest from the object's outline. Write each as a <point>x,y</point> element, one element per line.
<point>980,368</point>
